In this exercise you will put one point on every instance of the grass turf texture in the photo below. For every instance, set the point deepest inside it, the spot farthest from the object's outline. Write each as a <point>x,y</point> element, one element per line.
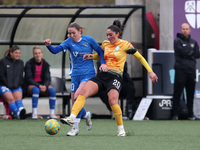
<point>142,135</point>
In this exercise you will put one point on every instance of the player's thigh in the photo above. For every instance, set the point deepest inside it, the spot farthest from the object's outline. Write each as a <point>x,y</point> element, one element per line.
<point>113,97</point>
<point>89,89</point>
<point>79,89</point>
<point>8,97</point>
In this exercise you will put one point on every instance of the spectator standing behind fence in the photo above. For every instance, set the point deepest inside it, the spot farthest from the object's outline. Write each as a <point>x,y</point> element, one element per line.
<point>80,71</point>
<point>37,76</point>
<point>186,52</point>
<point>127,92</point>
<point>11,77</point>
<point>115,52</point>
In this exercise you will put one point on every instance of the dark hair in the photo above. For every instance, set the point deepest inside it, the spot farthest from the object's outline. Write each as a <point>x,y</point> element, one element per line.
<point>117,27</point>
<point>76,25</point>
<point>12,49</point>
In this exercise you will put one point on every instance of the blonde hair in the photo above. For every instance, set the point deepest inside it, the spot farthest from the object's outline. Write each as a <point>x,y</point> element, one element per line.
<point>37,47</point>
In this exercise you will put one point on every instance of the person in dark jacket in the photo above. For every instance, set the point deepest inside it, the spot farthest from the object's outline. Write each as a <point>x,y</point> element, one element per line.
<point>11,77</point>
<point>186,52</point>
<point>37,76</point>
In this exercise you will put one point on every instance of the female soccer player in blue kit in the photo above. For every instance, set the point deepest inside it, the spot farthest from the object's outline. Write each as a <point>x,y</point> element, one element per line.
<point>80,71</point>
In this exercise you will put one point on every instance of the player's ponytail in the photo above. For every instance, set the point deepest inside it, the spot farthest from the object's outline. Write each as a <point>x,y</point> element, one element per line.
<point>117,27</point>
<point>117,23</point>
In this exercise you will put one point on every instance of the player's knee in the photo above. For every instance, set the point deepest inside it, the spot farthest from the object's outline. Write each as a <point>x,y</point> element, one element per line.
<point>76,94</point>
<point>35,90</point>
<point>113,100</point>
<point>52,92</point>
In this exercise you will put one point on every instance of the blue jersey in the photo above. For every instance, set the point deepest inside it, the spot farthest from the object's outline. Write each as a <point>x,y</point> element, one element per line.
<point>76,52</point>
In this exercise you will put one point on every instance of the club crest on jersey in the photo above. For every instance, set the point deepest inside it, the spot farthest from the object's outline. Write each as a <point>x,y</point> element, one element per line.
<point>85,44</point>
<point>192,45</point>
<point>117,48</point>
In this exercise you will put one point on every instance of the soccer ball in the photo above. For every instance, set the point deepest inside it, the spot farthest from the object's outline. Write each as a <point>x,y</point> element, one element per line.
<point>52,126</point>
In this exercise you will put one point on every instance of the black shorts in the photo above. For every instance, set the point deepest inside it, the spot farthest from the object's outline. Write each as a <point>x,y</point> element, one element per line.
<point>107,81</point>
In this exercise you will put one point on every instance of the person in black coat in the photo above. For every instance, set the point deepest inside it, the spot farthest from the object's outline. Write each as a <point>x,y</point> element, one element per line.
<point>11,77</point>
<point>37,76</point>
<point>186,52</point>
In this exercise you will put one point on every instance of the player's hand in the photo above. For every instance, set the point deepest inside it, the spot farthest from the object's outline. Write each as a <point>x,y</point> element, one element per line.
<point>47,42</point>
<point>153,77</point>
<point>103,67</point>
<point>43,88</point>
<point>87,56</point>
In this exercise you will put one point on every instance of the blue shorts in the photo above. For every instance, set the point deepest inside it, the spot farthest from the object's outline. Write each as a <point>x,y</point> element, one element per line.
<point>77,80</point>
<point>4,89</point>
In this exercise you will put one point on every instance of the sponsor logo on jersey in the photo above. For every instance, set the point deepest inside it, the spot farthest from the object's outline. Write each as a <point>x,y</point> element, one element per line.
<point>85,44</point>
<point>117,48</point>
<point>75,54</point>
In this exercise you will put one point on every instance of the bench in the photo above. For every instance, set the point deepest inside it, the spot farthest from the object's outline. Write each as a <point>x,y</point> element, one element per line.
<point>61,92</point>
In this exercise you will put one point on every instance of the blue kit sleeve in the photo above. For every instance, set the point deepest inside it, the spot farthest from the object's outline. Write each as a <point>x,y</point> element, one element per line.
<point>98,49</point>
<point>55,50</point>
<point>101,54</point>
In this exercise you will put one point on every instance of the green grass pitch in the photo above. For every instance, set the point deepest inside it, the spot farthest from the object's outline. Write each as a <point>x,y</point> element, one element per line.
<point>142,135</point>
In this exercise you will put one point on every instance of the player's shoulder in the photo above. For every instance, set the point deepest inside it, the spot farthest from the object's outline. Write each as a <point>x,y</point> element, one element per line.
<point>105,42</point>
<point>124,41</point>
<point>87,37</point>
<point>67,40</point>
<point>2,59</point>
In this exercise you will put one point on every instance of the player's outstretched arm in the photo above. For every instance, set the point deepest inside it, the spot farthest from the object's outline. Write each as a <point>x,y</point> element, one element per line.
<point>52,49</point>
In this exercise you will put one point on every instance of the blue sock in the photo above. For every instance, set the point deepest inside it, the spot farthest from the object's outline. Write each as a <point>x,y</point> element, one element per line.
<point>13,108</point>
<point>36,91</point>
<point>19,104</point>
<point>52,98</point>
<point>82,113</point>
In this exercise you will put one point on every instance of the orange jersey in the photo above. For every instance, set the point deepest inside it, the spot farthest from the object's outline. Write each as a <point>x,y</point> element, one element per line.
<point>115,54</point>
